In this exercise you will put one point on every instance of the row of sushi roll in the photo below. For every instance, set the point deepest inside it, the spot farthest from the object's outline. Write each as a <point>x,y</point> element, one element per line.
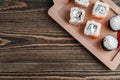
<point>110,43</point>
<point>77,15</point>
<point>113,43</point>
<point>93,28</point>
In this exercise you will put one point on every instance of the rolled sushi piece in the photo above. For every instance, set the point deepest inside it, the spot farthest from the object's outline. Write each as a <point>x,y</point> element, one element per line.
<point>76,16</point>
<point>109,43</point>
<point>92,29</point>
<point>100,10</point>
<point>114,23</point>
<point>84,3</point>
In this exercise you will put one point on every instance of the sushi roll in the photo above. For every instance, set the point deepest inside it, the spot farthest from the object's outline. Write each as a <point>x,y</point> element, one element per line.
<point>109,43</point>
<point>100,10</point>
<point>92,28</point>
<point>114,23</point>
<point>84,3</point>
<point>76,16</point>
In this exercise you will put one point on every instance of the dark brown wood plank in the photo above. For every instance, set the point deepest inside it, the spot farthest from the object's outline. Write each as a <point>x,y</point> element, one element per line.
<point>33,47</point>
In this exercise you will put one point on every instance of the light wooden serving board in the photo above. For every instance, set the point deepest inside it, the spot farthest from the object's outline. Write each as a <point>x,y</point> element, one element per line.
<point>60,13</point>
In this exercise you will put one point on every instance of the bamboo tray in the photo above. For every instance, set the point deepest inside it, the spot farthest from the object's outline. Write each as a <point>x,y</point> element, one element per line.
<point>60,13</point>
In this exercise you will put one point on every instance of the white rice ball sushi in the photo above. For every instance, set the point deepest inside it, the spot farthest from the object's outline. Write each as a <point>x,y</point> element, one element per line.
<point>114,23</point>
<point>76,16</point>
<point>109,43</point>
<point>92,28</point>
<point>100,10</point>
<point>84,3</point>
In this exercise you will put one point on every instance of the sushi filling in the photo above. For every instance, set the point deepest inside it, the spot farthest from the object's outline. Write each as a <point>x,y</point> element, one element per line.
<point>92,28</point>
<point>110,43</point>
<point>100,9</point>
<point>114,23</point>
<point>76,16</point>
<point>84,3</point>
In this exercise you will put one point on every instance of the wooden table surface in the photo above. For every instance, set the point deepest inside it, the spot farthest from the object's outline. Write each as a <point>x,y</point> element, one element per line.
<point>34,47</point>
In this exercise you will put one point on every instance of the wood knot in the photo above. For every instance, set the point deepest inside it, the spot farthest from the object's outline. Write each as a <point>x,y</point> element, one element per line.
<point>4,42</point>
<point>11,4</point>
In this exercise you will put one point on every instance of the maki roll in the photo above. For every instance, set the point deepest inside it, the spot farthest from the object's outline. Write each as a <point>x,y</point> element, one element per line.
<point>114,23</point>
<point>100,10</point>
<point>84,3</point>
<point>109,43</point>
<point>92,28</point>
<point>76,16</point>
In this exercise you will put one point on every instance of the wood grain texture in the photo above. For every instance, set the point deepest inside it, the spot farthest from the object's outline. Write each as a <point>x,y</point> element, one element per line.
<point>34,47</point>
